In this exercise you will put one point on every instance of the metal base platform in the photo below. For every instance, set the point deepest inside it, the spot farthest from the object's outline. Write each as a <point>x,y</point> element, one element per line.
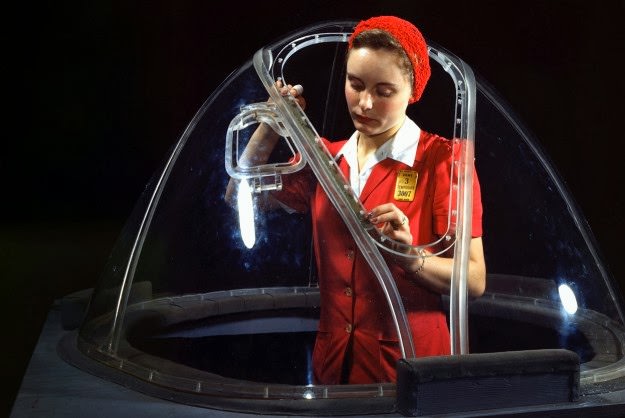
<point>53,388</point>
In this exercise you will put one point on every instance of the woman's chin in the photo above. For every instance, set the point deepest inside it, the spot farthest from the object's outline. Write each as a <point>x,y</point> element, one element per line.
<point>365,129</point>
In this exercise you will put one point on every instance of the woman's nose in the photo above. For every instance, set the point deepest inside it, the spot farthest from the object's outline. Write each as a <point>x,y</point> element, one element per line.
<point>366,100</point>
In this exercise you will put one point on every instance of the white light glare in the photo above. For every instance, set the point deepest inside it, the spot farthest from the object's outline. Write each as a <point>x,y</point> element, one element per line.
<point>569,302</point>
<point>246,214</point>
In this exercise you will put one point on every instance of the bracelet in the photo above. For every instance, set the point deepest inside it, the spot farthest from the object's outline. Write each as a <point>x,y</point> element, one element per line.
<point>420,269</point>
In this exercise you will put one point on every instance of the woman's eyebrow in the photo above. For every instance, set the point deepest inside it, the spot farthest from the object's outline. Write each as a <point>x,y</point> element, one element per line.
<point>381,83</point>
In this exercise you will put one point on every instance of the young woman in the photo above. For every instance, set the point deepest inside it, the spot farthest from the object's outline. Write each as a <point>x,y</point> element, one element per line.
<point>387,69</point>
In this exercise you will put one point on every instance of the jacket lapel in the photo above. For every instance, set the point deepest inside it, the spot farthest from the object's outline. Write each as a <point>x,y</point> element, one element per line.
<point>383,169</point>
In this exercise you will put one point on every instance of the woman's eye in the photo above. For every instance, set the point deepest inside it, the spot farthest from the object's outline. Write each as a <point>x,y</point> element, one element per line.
<point>385,93</point>
<point>357,87</point>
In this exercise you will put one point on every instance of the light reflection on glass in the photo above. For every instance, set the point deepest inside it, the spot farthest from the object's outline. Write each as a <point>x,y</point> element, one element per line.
<point>246,214</point>
<point>568,299</point>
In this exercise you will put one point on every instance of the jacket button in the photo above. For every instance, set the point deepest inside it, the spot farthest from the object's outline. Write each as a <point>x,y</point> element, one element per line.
<point>348,291</point>
<point>350,254</point>
<point>348,328</point>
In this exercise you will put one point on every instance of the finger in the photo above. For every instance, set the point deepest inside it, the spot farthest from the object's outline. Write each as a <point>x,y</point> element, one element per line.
<point>400,222</point>
<point>285,89</point>
<point>301,102</point>
<point>382,209</point>
<point>384,213</point>
<point>297,90</point>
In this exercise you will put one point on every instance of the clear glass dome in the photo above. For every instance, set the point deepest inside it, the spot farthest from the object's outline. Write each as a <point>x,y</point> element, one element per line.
<point>194,307</point>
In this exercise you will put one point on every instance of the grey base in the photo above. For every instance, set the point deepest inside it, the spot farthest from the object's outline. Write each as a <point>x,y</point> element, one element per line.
<point>53,388</point>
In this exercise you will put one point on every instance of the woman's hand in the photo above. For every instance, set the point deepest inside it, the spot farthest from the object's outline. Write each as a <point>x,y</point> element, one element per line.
<point>392,222</point>
<point>296,91</point>
<point>433,272</point>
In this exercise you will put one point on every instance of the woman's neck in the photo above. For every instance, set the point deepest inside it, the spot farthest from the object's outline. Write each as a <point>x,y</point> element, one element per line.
<point>368,145</point>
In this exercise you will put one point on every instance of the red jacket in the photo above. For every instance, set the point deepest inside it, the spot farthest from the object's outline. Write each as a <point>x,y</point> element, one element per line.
<point>357,341</point>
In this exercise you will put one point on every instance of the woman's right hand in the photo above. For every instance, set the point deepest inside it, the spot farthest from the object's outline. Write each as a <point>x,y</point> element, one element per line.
<point>294,90</point>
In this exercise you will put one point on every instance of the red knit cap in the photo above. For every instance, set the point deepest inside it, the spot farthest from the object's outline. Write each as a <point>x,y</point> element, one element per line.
<point>411,41</point>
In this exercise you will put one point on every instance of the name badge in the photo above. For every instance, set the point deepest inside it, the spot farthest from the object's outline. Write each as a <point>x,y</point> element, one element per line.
<point>405,185</point>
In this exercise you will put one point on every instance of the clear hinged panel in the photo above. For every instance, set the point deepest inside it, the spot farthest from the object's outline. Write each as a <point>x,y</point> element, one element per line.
<point>203,298</point>
<point>547,285</point>
<point>209,285</point>
<point>182,280</point>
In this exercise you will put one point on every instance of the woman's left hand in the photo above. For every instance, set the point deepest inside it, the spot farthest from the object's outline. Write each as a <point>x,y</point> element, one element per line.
<point>392,222</point>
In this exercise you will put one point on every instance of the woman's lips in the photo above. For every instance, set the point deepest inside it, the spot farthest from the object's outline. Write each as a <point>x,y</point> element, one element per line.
<point>363,119</point>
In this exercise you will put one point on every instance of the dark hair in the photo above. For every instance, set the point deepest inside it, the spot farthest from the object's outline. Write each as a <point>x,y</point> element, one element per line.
<point>380,39</point>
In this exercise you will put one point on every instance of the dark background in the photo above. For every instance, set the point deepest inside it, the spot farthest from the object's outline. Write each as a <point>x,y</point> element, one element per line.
<point>100,90</point>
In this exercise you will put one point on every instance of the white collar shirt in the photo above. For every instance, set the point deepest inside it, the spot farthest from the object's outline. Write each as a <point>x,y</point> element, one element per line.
<point>401,147</point>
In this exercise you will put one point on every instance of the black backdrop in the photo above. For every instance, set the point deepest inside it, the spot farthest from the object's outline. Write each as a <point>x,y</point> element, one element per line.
<point>100,90</point>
